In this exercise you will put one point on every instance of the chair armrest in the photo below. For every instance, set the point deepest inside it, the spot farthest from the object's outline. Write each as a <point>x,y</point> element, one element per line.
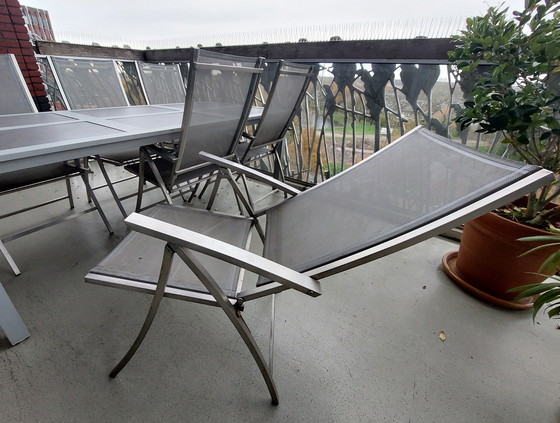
<point>251,173</point>
<point>223,251</point>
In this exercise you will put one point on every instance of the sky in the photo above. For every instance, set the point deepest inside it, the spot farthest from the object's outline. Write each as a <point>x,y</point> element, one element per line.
<point>144,21</point>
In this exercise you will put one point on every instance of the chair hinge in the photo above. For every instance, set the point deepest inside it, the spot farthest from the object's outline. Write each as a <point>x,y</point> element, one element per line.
<point>239,306</point>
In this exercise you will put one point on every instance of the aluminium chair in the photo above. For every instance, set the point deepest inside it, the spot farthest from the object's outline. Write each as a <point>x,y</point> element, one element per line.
<point>220,91</point>
<point>95,83</point>
<point>163,83</point>
<point>370,210</point>
<point>288,88</point>
<point>90,83</point>
<point>15,98</point>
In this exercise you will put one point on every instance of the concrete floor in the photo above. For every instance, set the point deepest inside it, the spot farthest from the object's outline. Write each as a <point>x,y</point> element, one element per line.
<point>367,350</point>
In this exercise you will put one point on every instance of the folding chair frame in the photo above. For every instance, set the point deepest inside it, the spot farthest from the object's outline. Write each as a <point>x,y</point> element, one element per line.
<point>182,242</point>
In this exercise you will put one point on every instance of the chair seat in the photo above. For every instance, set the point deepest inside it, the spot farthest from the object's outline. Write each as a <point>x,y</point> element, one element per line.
<point>165,168</point>
<point>137,259</point>
<point>39,174</point>
<point>254,153</point>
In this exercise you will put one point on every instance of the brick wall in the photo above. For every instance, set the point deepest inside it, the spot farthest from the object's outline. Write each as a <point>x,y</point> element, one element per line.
<point>14,38</point>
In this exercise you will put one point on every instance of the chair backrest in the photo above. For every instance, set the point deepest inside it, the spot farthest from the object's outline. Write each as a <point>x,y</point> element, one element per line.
<point>88,83</point>
<point>406,192</point>
<point>163,83</point>
<point>284,99</point>
<point>14,94</point>
<point>220,89</point>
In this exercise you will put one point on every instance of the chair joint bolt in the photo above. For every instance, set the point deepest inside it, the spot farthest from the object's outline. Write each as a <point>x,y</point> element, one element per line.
<point>239,306</point>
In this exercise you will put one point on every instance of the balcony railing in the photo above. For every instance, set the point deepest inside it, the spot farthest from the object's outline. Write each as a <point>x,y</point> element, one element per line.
<point>366,94</point>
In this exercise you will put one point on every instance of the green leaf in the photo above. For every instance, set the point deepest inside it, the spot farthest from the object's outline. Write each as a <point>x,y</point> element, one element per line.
<point>540,238</point>
<point>543,299</point>
<point>540,247</point>
<point>534,289</point>
<point>555,311</point>
<point>497,97</point>
<point>551,263</point>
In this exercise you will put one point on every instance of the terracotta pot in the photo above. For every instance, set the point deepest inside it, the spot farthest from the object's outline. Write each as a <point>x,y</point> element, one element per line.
<point>488,262</point>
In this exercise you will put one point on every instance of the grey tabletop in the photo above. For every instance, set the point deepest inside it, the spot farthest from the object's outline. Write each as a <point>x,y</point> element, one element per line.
<point>33,139</point>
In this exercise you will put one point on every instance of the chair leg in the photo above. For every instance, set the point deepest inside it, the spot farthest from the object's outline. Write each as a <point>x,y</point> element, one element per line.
<point>214,192</point>
<point>206,185</point>
<point>234,315</point>
<point>182,194</point>
<point>95,201</point>
<point>246,186</point>
<point>156,301</point>
<point>159,180</point>
<point>69,191</point>
<point>271,342</point>
<point>141,181</point>
<point>9,258</point>
<point>85,165</point>
<point>193,194</point>
<point>246,204</point>
<point>278,171</point>
<point>110,185</point>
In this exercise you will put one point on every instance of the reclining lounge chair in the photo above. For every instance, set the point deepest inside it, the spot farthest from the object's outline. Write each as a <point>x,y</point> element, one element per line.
<point>418,187</point>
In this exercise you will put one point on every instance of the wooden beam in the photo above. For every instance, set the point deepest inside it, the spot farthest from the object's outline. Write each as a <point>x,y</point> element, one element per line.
<point>418,50</point>
<point>77,50</point>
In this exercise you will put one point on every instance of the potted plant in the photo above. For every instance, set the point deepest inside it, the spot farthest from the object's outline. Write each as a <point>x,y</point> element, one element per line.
<point>516,65</point>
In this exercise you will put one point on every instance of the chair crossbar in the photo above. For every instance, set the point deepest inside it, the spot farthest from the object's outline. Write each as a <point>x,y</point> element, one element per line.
<point>149,288</point>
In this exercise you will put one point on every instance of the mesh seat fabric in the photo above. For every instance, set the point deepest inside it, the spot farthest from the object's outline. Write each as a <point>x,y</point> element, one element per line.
<point>408,184</point>
<point>143,265</point>
<point>14,97</point>
<point>89,83</point>
<point>163,83</point>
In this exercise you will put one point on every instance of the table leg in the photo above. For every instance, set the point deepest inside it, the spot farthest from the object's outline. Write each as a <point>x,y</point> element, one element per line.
<point>9,258</point>
<point>10,320</point>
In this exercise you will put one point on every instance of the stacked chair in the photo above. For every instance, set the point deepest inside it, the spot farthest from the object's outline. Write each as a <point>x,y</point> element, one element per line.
<point>220,88</point>
<point>286,91</point>
<point>285,95</point>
